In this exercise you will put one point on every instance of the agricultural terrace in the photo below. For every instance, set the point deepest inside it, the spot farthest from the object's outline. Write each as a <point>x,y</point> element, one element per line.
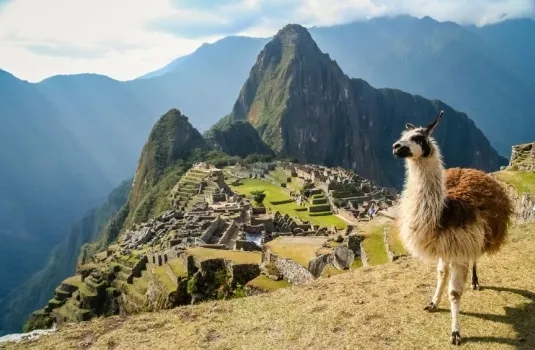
<point>374,244</point>
<point>276,193</point>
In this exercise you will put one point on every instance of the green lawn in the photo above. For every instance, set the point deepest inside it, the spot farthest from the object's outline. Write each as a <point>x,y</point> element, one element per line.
<point>374,244</point>
<point>275,193</point>
<point>264,283</point>
<point>235,256</point>
<point>522,181</point>
<point>282,176</point>
<point>298,249</point>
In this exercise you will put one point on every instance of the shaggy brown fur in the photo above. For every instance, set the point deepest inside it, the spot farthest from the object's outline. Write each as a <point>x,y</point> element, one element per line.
<point>472,193</point>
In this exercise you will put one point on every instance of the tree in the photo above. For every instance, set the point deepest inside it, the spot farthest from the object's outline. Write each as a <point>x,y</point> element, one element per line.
<point>258,196</point>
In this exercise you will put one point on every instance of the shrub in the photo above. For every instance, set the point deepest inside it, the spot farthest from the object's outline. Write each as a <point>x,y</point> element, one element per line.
<point>258,196</point>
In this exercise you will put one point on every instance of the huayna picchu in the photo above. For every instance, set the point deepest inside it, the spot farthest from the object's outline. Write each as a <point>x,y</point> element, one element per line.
<point>304,106</point>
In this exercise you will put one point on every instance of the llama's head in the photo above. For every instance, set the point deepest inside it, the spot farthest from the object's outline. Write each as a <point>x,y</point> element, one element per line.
<point>416,142</point>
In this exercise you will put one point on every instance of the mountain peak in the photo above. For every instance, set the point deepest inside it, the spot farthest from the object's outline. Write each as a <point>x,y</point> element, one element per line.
<point>172,139</point>
<point>293,32</point>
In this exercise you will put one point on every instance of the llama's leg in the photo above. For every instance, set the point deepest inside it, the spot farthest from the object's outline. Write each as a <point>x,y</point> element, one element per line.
<point>459,275</point>
<point>442,277</point>
<point>475,280</point>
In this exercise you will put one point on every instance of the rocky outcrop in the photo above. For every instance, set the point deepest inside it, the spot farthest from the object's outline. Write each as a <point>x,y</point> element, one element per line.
<point>523,158</point>
<point>343,257</point>
<point>304,106</point>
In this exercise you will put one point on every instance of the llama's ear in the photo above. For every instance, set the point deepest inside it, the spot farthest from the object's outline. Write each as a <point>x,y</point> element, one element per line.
<point>429,129</point>
<point>409,126</point>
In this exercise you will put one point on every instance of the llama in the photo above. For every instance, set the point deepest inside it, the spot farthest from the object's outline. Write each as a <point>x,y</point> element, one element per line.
<point>448,216</point>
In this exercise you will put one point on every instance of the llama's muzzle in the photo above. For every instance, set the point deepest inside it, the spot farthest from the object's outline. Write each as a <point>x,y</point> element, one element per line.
<point>401,151</point>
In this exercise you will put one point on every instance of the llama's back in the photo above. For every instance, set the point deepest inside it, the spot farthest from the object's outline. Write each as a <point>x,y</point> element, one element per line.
<point>475,193</point>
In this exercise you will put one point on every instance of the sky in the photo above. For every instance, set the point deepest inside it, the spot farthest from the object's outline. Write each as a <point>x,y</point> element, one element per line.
<point>128,38</point>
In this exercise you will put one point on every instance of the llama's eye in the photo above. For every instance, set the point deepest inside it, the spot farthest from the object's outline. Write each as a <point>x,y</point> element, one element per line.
<point>418,138</point>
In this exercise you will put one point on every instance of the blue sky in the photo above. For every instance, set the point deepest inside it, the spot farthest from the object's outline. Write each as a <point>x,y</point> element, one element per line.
<point>127,38</point>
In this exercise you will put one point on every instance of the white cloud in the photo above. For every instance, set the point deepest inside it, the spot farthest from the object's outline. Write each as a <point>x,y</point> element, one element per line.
<point>126,38</point>
<point>115,31</point>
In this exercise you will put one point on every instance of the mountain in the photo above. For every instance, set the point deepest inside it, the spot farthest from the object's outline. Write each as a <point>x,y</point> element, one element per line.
<point>485,71</point>
<point>171,140</point>
<point>104,116</point>
<point>111,119</point>
<point>467,69</point>
<point>47,181</point>
<point>172,147</point>
<point>514,40</point>
<point>236,138</point>
<point>304,106</point>
<point>173,66</point>
<point>61,263</point>
<point>472,69</point>
<point>232,52</point>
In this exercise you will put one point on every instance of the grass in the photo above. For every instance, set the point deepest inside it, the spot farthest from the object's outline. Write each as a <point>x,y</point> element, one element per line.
<point>275,193</point>
<point>356,264</point>
<point>264,283</point>
<point>298,249</point>
<point>377,308</point>
<point>237,257</point>
<point>178,268</point>
<point>329,271</point>
<point>85,291</point>
<point>73,281</point>
<point>395,241</point>
<point>281,177</point>
<point>374,243</point>
<point>162,275</point>
<point>522,181</point>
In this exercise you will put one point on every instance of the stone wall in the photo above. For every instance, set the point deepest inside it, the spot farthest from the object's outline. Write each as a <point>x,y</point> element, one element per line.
<point>292,271</point>
<point>228,233</point>
<point>210,230</point>
<point>523,158</point>
<point>363,256</point>
<point>523,203</point>
<point>347,215</point>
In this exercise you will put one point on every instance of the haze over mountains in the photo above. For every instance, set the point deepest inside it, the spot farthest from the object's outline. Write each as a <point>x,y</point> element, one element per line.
<point>72,139</point>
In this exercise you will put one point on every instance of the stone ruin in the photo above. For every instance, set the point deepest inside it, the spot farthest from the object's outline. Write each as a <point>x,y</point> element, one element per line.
<point>522,158</point>
<point>351,194</point>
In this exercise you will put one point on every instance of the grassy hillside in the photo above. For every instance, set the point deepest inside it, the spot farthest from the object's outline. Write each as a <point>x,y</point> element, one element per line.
<point>521,181</point>
<point>379,307</point>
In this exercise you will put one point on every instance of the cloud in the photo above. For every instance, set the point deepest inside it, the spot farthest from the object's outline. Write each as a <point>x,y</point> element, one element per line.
<point>193,19</point>
<point>43,38</point>
<point>127,38</point>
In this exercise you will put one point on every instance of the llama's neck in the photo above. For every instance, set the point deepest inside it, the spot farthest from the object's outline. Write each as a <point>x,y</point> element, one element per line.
<point>423,197</point>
